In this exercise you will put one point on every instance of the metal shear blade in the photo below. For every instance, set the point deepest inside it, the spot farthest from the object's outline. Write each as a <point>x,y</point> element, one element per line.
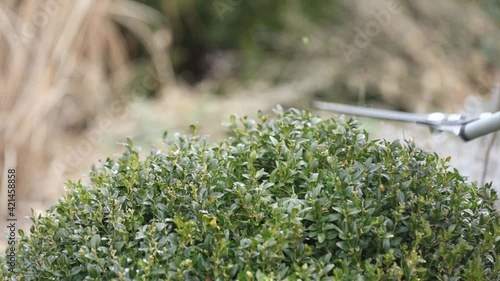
<point>454,123</point>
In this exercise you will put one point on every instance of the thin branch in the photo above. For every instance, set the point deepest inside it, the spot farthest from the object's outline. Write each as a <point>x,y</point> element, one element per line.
<point>496,95</point>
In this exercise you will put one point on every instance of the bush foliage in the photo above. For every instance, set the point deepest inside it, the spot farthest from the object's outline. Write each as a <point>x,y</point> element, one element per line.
<point>289,197</point>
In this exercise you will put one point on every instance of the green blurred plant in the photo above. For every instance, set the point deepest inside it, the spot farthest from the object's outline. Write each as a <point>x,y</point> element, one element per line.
<point>252,28</point>
<point>289,197</point>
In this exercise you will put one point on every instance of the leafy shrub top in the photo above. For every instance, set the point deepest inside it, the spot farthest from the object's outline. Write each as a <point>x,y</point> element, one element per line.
<point>287,197</point>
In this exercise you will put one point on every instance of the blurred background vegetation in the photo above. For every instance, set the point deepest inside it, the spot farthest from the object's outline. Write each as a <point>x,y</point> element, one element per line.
<point>79,76</point>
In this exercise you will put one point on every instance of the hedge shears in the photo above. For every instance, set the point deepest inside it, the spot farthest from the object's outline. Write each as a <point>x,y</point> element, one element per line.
<point>465,126</point>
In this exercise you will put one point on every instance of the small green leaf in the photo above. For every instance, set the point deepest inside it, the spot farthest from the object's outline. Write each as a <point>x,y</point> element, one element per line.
<point>321,237</point>
<point>451,228</point>
<point>343,245</point>
<point>259,174</point>
<point>95,241</point>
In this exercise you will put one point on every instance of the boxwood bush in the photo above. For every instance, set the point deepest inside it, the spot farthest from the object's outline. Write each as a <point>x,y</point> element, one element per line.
<point>287,197</point>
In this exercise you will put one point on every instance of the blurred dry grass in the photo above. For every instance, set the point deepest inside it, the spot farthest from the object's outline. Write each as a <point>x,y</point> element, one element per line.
<point>62,63</point>
<point>430,55</point>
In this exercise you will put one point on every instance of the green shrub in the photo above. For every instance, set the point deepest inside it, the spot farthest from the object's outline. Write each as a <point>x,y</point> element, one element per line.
<point>290,197</point>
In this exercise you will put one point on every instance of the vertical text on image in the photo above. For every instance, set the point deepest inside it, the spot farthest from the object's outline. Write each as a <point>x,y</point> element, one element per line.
<point>11,219</point>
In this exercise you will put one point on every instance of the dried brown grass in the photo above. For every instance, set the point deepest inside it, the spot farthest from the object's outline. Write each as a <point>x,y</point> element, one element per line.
<point>433,54</point>
<point>430,56</point>
<point>61,63</point>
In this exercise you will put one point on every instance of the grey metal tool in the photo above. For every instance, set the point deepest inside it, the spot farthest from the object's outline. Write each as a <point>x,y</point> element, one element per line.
<point>465,126</point>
